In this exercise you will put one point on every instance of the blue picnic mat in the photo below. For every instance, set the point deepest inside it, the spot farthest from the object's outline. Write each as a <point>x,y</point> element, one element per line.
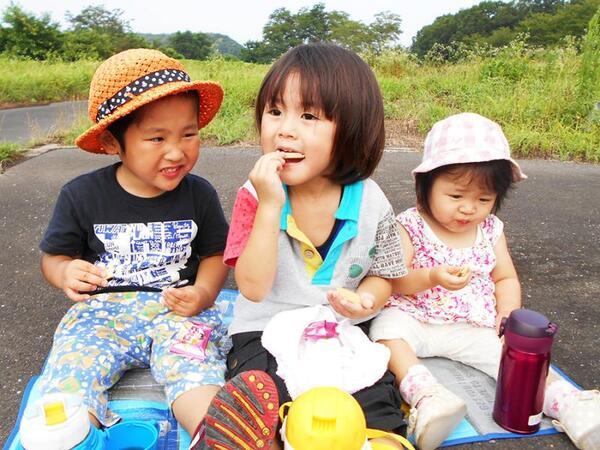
<point>138,397</point>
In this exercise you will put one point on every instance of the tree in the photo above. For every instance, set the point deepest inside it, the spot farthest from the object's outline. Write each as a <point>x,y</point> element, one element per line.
<point>500,37</point>
<point>385,30</point>
<point>314,24</point>
<point>98,33</point>
<point>285,30</point>
<point>539,6</point>
<point>473,24</point>
<point>256,52</point>
<point>87,44</point>
<point>3,39</point>
<point>28,36</point>
<point>570,19</point>
<point>441,31</point>
<point>280,33</point>
<point>349,33</point>
<point>100,19</point>
<point>192,45</point>
<point>496,23</point>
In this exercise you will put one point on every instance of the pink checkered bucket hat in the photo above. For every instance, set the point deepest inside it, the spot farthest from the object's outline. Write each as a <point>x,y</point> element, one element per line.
<point>465,138</point>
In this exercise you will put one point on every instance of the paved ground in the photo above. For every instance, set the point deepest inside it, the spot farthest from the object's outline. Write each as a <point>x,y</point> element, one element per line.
<point>20,125</point>
<point>552,222</point>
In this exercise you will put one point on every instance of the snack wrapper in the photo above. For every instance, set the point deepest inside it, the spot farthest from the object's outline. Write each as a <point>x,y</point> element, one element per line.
<point>191,340</point>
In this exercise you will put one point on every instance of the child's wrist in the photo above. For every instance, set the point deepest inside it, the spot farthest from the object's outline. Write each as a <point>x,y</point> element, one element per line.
<point>269,212</point>
<point>202,295</point>
<point>270,206</point>
<point>62,271</point>
<point>504,312</point>
<point>433,276</point>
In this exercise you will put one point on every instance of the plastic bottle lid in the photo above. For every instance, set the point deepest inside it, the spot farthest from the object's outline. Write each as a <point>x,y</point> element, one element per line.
<point>55,422</point>
<point>55,413</point>
<point>526,322</point>
<point>324,418</point>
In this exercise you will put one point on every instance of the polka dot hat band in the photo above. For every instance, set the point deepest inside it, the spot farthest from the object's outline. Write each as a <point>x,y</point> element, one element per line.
<point>134,78</point>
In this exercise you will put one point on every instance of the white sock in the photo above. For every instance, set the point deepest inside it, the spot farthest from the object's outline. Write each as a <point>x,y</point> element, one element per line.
<point>417,377</point>
<point>557,396</point>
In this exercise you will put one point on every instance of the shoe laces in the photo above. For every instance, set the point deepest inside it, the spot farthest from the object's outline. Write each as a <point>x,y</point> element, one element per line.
<point>413,417</point>
<point>412,421</point>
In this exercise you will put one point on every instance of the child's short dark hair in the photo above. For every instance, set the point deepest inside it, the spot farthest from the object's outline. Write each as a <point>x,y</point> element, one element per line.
<point>496,175</point>
<point>119,126</point>
<point>344,88</point>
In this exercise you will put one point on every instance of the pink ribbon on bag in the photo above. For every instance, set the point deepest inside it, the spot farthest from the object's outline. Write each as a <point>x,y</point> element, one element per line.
<point>321,329</point>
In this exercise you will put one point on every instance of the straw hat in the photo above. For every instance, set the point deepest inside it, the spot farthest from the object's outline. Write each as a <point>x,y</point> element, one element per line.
<point>466,138</point>
<point>134,78</point>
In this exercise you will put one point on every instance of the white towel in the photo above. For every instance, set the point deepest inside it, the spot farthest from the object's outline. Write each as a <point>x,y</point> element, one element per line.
<point>349,361</point>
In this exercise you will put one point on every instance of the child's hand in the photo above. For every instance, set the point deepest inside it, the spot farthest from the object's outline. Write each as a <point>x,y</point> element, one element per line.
<point>450,277</point>
<point>186,301</point>
<point>501,314</point>
<point>79,277</point>
<point>350,304</point>
<point>265,178</point>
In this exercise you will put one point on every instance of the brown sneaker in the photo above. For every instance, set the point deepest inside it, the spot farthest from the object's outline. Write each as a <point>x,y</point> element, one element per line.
<point>242,416</point>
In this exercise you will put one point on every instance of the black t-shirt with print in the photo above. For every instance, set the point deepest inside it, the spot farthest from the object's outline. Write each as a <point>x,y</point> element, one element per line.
<point>142,242</point>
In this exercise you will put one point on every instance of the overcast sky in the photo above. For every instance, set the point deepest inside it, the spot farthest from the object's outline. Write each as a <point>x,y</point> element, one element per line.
<point>243,20</point>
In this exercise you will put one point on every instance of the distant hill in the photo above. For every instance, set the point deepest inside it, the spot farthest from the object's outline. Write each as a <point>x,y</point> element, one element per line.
<point>224,44</point>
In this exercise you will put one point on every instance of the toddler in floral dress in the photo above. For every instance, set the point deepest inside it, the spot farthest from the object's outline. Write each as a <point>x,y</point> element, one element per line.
<point>462,282</point>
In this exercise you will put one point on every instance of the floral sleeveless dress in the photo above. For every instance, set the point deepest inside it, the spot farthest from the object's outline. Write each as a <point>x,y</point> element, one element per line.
<point>475,303</point>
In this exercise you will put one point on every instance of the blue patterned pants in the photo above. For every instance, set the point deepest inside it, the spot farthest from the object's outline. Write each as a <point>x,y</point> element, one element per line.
<point>99,339</point>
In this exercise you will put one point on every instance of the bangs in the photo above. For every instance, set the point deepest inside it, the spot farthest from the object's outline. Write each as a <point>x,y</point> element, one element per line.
<point>310,92</point>
<point>478,174</point>
<point>489,175</point>
<point>494,176</point>
<point>319,90</point>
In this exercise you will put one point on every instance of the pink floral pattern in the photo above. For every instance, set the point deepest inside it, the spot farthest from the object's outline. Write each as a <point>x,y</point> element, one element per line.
<point>475,303</point>
<point>418,377</point>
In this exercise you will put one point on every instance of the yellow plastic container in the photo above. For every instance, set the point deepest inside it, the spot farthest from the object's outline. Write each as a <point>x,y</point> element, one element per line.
<point>324,418</point>
<point>327,418</point>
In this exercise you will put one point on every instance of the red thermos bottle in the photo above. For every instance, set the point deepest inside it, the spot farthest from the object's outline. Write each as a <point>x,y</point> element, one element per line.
<point>528,337</point>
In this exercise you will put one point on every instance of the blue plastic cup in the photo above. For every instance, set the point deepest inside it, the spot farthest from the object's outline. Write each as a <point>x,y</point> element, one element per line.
<point>132,435</point>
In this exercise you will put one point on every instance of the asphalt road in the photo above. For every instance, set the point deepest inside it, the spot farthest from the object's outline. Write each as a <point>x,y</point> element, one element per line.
<point>552,224</point>
<point>20,125</point>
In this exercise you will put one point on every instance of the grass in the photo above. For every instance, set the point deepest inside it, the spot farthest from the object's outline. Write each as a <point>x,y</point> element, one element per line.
<point>8,153</point>
<point>533,94</point>
<point>27,82</point>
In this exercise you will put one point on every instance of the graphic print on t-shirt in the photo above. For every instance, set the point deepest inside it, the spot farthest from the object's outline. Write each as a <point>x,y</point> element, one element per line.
<point>145,254</point>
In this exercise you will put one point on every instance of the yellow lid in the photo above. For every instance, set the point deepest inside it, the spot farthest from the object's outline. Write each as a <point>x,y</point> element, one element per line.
<point>55,413</point>
<point>325,418</point>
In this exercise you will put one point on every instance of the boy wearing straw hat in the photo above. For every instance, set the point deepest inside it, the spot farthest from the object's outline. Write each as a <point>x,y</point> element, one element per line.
<point>137,245</point>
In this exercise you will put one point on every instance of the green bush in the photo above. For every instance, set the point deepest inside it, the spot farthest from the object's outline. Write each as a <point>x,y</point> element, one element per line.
<point>8,152</point>
<point>590,70</point>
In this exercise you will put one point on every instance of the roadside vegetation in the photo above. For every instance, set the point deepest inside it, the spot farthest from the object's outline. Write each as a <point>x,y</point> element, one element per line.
<point>537,95</point>
<point>8,153</point>
<point>547,97</point>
